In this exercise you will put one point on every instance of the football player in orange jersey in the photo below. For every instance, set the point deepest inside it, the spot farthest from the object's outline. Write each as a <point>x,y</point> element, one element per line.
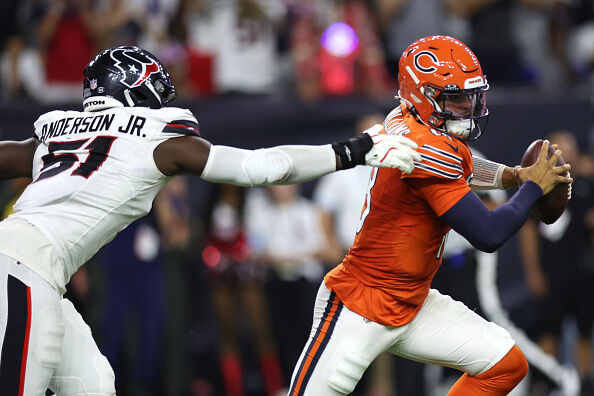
<point>380,298</point>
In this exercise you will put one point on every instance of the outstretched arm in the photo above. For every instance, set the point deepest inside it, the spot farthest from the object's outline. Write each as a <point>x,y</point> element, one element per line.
<point>16,158</point>
<point>281,164</point>
<point>276,165</point>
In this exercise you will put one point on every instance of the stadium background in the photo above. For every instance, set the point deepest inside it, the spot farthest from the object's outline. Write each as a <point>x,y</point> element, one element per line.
<point>537,55</point>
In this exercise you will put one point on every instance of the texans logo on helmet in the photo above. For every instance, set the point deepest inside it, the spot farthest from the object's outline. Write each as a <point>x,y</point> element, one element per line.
<point>429,69</point>
<point>135,67</point>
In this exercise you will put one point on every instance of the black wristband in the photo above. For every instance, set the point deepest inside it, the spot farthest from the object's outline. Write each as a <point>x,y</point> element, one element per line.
<point>352,152</point>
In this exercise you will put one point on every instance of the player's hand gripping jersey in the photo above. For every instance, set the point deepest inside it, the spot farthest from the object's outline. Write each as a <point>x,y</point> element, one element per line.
<point>93,174</point>
<point>388,271</point>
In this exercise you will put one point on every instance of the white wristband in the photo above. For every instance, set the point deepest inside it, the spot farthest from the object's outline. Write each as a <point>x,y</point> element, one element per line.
<point>486,174</point>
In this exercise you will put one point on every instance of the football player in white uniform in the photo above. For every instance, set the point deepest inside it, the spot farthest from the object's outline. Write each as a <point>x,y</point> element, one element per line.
<point>96,171</point>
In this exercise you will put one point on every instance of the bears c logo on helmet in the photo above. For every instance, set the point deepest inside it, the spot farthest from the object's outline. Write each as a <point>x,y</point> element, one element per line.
<point>431,68</point>
<point>135,67</point>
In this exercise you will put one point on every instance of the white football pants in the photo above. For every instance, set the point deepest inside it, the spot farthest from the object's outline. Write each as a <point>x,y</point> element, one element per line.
<point>44,342</point>
<point>342,343</point>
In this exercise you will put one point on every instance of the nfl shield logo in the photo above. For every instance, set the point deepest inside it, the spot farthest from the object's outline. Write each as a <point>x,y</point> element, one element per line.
<point>93,84</point>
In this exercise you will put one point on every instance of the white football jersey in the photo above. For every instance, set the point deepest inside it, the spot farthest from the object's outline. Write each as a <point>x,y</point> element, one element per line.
<point>93,174</point>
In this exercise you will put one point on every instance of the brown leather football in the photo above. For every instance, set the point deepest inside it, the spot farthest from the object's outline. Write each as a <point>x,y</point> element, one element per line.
<point>549,207</point>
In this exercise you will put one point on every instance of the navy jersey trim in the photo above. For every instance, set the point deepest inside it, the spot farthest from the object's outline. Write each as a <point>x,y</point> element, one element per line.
<point>184,127</point>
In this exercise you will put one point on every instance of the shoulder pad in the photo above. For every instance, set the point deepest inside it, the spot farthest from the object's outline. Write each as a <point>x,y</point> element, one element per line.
<point>49,116</point>
<point>442,158</point>
<point>46,118</point>
<point>179,121</point>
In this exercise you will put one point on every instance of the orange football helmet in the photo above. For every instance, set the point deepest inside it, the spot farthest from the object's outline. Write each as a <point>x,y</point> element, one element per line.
<point>442,83</point>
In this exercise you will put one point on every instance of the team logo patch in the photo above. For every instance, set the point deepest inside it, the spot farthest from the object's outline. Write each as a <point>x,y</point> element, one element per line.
<point>474,82</point>
<point>455,148</point>
<point>426,62</point>
<point>135,67</point>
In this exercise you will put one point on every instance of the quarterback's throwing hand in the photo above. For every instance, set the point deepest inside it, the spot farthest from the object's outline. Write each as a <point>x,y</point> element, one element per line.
<point>391,151</point>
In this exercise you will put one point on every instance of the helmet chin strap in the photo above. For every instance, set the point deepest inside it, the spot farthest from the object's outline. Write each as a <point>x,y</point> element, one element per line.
<point>154,91</point>
<point>129,98</point>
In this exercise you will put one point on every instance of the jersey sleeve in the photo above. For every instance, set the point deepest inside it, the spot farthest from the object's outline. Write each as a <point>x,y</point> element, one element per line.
<point>438,163</point>
<point>44,119</point>
<point>442,194</point>
<point>182,126</point>
<point>440,178</point>
<point>177,122</point>
<point>181,122</point>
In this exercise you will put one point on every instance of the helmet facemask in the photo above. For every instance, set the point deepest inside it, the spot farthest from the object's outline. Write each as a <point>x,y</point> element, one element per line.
<point>165,90</point>
<point>154,94</point>
<point>461,113</point>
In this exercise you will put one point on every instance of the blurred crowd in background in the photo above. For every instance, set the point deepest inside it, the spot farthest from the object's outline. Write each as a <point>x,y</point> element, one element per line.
<point>312,48</point>
<point>216,299</point>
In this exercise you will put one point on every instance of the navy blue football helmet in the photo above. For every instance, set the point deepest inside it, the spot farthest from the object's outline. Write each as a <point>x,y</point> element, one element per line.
<point>126,76</point>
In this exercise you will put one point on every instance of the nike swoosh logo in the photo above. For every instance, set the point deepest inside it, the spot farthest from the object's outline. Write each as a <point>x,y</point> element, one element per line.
<point>455,148</point>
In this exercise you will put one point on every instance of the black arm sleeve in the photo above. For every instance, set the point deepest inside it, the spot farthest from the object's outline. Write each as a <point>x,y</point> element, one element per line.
<point>488,229</point>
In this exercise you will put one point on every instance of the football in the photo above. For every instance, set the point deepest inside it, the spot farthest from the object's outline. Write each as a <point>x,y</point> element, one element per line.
<point>549,207</point>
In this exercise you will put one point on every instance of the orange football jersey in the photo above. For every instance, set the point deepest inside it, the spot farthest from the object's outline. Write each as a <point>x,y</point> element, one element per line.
<point>397,250</point>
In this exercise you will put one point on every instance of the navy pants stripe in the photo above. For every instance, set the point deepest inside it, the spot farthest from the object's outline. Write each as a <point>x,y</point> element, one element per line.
<point>13,361</point>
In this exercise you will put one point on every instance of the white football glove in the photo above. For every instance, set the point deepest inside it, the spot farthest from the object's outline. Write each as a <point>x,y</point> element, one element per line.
<point>391,151</point>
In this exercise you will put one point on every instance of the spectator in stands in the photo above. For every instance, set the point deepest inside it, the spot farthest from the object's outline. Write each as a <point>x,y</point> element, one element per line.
<point>178,61</point>
<point>189,28</point>
<point>540,35</point>
<point>491,37</point>
<point>67,32</point>
<point>572,27</point>
<point>236,286</point>
<point>403,21</point>
<point>336,50</point>
<point>241,37</point>
<point>12,45</point>
<point>59,38</point>
<point>286,236</point>
<point>122,22</point>
<point>559,265</point>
